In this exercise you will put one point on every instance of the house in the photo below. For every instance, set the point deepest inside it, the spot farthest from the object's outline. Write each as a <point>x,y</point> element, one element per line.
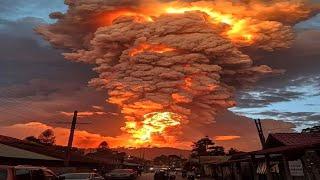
<point>20,152</point>
<point>286,156</point>
<point>292,139</point>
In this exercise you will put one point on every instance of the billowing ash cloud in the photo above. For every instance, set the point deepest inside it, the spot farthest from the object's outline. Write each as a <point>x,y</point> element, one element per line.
<point>177,57</point>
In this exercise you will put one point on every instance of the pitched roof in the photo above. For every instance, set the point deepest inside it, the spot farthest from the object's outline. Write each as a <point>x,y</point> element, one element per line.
<point>283,149</point>
<point>12,152</point>
<point>52,151</point>
<point>288,139</point>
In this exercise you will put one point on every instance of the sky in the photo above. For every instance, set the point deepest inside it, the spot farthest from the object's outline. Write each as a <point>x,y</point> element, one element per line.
<point>39,88</point>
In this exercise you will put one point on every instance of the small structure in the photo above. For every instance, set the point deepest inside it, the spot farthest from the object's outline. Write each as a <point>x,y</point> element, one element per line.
<point>286,156</point>
<point>206,161</point>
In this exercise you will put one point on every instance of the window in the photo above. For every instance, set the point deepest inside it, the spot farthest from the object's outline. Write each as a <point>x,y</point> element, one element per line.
<point>23,174</point>
<point>3,174</point>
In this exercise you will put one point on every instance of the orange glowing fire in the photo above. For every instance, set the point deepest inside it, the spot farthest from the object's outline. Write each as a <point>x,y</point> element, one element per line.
<point>239,29</point>
<point>144,47</point>
<point>110,16</point>
<point>152,124</point>
<point>188,82</point>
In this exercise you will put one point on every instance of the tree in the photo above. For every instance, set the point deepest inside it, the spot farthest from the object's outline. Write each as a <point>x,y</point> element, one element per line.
<point>175,160</point>
<point>47,137</point>
<point>206,147</point>
<point>233,151</point>
<point>202,146</point>
<point>217,151</point>
<point>161,160</point>
<point>103,146</point>
<point>32,139</point>
<point>314,129</point>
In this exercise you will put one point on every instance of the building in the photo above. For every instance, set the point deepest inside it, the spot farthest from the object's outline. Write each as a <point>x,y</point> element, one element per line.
<point>286,156</point>
<point>19,152</point>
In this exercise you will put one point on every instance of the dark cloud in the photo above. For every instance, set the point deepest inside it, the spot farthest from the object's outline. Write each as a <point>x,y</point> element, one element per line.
<point>21,28</point>
<point>262,97</point>
<point>291,89</point>
<point>313,23</point>
<point>15,9</point>
<point>36,83</point>
<point>314,117</point>
<point>302,58</point>
<point>45,101</point>
<point>24,56</point>
<point>301,64</point>
<point>287,114</point>
<point>300,119</point>
<point>230,124</point>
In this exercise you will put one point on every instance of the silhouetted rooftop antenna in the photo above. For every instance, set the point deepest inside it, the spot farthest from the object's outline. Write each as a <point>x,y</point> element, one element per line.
<point>260,132</point>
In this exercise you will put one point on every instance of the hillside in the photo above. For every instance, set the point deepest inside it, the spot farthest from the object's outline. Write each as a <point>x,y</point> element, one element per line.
<point>150,153</point>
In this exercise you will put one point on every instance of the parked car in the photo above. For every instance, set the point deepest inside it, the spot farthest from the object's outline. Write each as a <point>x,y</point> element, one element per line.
<point>192,175</point>
<point>184,173</point>
<point>82,176</point>
<point>172,175</point>
<point>161,175</point>
<point>122,174</point>
<point>27,173</point>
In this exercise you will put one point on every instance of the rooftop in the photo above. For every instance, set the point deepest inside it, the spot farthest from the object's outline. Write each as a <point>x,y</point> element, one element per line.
<point>55,152</point>
<point>292,139</point>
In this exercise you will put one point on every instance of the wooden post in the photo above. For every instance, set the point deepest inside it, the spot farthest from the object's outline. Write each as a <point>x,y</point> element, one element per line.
<point>232,171</point>
<point>286,167</point>
<point>221,170</point>
<point>260,133</point>
<point>267,160</point>
<point>73,127</point>
<point>254,167</point>
<point>238,170</point>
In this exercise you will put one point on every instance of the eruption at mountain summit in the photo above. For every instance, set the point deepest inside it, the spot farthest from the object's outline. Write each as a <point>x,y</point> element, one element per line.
<point>167,63</point>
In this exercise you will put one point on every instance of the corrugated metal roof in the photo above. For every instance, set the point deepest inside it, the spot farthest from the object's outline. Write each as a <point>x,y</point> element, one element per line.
<point>283,149</point>
<point>52,151</point>
<point>288,139</point>
<point>12,152</point>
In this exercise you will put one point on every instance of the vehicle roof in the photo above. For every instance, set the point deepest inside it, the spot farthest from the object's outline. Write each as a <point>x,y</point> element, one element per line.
<point>5,166</point>
<point>78,173</point>
<point>24,167</point>
<point>30,167</point>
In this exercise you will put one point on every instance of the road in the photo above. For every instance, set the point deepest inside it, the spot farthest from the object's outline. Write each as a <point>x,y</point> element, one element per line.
<point>149,176</point>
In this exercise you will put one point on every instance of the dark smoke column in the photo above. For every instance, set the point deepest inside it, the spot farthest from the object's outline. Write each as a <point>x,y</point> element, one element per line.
<point>178,65</point>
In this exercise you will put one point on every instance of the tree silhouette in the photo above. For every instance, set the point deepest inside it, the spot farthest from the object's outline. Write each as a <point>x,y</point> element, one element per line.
<point>103,146</point>
<point>314,129</point>
<point>47,137</point>
<point>233,151</point>
<point>161,160</point>
<point>217,151</point>
<point>206,147</point>
<point>168,160</point>
<point>32,139</point>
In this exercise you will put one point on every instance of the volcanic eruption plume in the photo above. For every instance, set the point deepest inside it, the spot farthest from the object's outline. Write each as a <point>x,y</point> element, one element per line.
<point>167,63</point>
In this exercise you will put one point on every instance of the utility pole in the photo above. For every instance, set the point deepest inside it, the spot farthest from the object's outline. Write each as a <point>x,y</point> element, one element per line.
<point>260,132</point>
<point>73,126</point>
